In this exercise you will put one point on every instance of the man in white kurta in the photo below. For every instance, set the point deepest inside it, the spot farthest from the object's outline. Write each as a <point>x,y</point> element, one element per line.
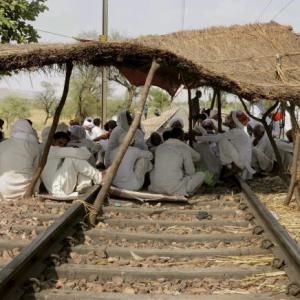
<point>133,168</point>
<point>262,152</point>
<point>19,156</point>
<point>174,170</point>
<point>123,123</point>
<point>67,169</point>
<point>234,145</point>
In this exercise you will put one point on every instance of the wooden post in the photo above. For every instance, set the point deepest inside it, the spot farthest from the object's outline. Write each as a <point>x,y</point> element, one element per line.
<point>219,110</point>
<point>269,134</point>
<point>213,99</point>
<point>124,146</point>
<point>190,117</point>
<point>294,171</point>
<point>42,163</point>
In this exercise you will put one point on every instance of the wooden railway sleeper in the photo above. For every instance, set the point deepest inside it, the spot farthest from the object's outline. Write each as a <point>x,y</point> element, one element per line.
<point>293,289</point>
<point>278,263</point>
<point>267,244</point>
<point>258,230</point>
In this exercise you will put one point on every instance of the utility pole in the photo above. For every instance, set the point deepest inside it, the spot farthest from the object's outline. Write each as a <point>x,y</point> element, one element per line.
<point>104,38</point>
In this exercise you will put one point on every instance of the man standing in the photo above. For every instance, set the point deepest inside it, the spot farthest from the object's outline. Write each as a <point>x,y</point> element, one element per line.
<point>146,111</point>
<point>196,106</point>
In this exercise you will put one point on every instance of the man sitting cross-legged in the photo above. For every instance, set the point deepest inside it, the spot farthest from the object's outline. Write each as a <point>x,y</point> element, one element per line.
<point>67,169</point>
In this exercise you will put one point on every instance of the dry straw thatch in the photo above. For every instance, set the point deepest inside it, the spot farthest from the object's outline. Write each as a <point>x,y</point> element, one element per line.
<point>237,59</point>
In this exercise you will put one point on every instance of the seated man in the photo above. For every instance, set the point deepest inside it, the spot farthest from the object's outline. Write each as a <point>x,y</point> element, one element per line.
<point>262,152</point>
<point>174,171</point>
<point>67,168</point>
<point>234,145</point>
<point>19,157</point>
<point>154,141</point>
<point>133,168</point>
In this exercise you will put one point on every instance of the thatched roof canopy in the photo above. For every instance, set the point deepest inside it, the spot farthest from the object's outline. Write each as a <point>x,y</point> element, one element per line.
<point>237,59</point>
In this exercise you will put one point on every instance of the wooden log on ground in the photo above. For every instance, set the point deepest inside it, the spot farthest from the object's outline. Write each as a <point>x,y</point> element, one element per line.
<point>145,196</point>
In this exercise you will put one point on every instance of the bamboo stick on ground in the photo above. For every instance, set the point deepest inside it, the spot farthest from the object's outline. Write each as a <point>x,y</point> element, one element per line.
<point>42,163</point>
<point>124,146</point>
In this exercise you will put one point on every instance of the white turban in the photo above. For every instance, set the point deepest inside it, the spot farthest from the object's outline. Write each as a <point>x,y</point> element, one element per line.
<point>88,123</point>
<point>23,130</point>
<point>178,121</point>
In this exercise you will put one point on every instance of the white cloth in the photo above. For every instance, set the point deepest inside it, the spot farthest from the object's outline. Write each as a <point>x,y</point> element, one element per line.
<point>238,150</point>
<point>18,160</point>
<point>67,168</point>
<point>113,142</point>
<point>286,153</point>
<point>23,130</point>
<point>131,172</point>
<point>174,171</point>
<point>263,155</point>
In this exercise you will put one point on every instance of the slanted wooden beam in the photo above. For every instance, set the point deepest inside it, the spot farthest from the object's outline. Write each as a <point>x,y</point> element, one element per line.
<point>219,110</point>
<point>269,133</point>
<point>213,99</point>
<point>42,163</point>
<point>124,146</point>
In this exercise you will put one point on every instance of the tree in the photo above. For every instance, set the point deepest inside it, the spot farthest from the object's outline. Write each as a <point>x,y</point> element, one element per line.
<point>159,99</point>
<point>14,17</point>
<point>12,108</point>
<point>46,100</point>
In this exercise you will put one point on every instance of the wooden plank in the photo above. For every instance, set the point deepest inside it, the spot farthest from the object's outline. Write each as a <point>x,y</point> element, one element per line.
<point>168,211</point>
<point>85,295</point>
<point>174,253</point>
<point>132,222</point>
<point>180,238</point>
<point>80,271</point>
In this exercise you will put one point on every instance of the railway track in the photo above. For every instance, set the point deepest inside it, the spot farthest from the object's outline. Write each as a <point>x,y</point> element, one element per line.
<point>223,244</point>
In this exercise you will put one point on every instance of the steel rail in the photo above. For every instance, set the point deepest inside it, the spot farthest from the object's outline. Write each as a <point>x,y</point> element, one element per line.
<point>289,250</point>
<point>31,261</point>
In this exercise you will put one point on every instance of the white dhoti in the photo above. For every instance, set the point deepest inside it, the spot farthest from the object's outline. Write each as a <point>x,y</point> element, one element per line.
<point>208,161</point>
<point>74,173</point>
<point>260,161</point>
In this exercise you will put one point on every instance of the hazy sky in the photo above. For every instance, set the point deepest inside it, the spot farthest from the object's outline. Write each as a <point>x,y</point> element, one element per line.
<point>141,17</point>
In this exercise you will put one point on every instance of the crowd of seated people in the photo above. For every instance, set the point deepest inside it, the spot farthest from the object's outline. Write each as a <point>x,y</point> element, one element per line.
<point>79,154</point>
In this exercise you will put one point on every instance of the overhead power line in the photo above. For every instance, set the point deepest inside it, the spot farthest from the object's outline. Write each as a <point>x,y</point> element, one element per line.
<point>263,11</point>
<point>64,35</point>
<point>282,9</point>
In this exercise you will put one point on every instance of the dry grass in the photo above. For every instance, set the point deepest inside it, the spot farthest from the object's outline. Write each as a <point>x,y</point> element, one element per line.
<point>238,59</point>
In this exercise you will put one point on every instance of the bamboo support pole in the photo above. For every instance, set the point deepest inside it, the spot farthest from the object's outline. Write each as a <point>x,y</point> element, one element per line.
<point>42,163</point>
<point>124,146</point>
<point>213,99</point>
<point>294,171</point>
<point>219,102</point>
<point>190,117</point>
